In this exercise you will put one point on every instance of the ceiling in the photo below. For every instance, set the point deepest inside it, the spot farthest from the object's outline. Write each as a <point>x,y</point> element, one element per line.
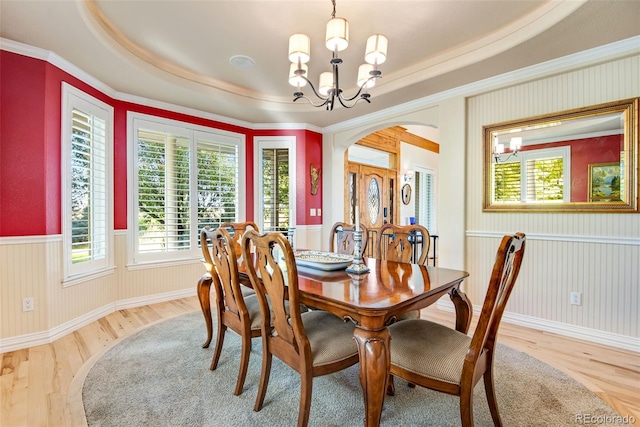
<point>178,51</point>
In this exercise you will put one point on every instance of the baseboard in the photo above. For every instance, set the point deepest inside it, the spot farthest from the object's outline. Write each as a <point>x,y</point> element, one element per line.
<point>155,298</point>
<point>564,329</point>
<point>46,337</point>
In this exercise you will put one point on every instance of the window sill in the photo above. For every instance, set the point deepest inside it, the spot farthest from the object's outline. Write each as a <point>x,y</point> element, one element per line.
<point>162,263</point>
<point>85,277</point>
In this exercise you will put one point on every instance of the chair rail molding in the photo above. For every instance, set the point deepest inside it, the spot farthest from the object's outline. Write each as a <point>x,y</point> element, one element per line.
<point>612,240</point>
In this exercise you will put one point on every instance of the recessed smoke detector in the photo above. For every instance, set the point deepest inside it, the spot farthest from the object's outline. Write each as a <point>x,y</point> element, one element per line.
<point>242,61</point>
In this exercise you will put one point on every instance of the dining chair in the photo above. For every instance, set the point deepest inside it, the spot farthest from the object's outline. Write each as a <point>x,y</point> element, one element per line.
<point>440,358</point>
<point>403,243</point>
<point>235,311</point>
<point>313,343</point>
<point>342,240</point>
<point>237,230</point>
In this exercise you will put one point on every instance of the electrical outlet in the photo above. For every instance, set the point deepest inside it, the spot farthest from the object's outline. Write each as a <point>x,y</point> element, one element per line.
<point>576,298</point>
<point>27,304</point>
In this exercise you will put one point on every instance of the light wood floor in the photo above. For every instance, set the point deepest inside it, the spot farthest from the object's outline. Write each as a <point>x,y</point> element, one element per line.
<point>35,382</point>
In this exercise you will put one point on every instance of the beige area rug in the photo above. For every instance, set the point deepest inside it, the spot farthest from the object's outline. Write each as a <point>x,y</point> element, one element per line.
<point>160,377</point>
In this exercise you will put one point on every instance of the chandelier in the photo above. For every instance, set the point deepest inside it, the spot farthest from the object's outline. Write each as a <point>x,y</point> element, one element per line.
<point>499,150</point>
<point>337,39</point>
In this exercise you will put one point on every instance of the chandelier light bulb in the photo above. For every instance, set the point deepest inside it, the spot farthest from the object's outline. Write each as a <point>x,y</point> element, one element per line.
<point>299,48</point>
<point>515,143</point>
<point>294,79</point>
<point>337,34</point>
<point>364,75</point>
<point>326,83</point>
<point>376,50</point>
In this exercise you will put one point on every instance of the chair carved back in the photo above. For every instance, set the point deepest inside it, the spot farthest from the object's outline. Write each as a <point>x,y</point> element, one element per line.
<point>277,279</point>
<point>220,253</point>
<point>237,230</point>
<point>503,276</point>
<point>403,243</point>
<point>342,240</point>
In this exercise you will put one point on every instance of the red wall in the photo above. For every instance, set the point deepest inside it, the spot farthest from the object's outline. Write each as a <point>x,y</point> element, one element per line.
<point>605,149</point>
<point>30,149</point>
<point>584,152</point>
<point>308,150</point>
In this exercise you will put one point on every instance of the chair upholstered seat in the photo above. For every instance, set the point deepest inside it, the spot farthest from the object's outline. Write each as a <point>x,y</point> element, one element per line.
<point>246,291</point>
<point>420,346</point>
<point>413,314</point>
<point>330,338</point>
<point>253,307</point>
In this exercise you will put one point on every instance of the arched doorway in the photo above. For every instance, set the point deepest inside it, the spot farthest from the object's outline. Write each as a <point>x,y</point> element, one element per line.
<point>385,175</point>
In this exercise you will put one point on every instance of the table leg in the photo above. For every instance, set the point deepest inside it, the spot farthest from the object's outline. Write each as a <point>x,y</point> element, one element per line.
<point>464,310</point>
<point>204,295</point>
<point>375,363</point>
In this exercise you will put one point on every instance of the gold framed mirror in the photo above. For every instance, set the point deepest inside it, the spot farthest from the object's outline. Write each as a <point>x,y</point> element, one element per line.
<point>583,160</point>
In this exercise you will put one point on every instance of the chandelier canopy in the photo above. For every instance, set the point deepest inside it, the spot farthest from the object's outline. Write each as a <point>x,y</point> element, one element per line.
<point>337,39</point>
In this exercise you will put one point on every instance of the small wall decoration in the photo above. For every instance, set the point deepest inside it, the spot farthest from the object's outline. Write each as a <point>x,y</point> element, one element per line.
<point>315,178</point>
<point>604,182</point>
<point>406,194</point>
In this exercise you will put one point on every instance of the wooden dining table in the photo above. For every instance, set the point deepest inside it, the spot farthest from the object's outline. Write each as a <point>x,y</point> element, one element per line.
<point>372,301</point>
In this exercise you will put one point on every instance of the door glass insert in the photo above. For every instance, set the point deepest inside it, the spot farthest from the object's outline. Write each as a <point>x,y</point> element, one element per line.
<point>374,201</point>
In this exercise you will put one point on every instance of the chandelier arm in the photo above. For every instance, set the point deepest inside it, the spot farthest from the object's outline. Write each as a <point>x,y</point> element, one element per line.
<point>302,96</point>
<point>359,90</point>
<point>342,101</point>
<point>314,90</point>
<point>500,160</point>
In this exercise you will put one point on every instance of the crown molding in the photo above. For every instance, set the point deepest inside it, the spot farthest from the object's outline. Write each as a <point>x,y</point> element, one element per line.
<point>616,50</point>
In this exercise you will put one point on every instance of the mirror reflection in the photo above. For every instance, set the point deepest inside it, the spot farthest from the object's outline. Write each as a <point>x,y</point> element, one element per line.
<point>574,160</point>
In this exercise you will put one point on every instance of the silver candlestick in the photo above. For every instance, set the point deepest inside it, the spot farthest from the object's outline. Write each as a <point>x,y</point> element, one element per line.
<point>357,266</point>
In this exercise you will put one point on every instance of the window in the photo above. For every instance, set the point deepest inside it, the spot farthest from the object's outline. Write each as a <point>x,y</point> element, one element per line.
<point>87,141</point>
<point>533,176</point>
<point>425,210</point>
<point>276,166</point>
<point>185,177</point>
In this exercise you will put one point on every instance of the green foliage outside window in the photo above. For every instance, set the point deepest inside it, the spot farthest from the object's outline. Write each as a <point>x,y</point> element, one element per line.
<point>276,206</point>
<point>543,180</point>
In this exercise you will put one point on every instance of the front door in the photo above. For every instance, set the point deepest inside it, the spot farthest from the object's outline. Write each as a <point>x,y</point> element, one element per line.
<point>372,189</point>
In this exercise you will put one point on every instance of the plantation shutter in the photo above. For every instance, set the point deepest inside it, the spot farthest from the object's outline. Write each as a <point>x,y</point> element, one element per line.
<point>218,192</point>
<point>545,179</point>
<point>424,210</point>
<point>429,220</point>
<point>276,208</point>
<point>88,187</point>
<point>163,192</point>
<point>507,184</point>
<point>417,207</point>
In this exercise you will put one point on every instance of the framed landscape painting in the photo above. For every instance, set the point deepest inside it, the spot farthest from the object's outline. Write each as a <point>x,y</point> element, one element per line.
<point>604,182</point>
